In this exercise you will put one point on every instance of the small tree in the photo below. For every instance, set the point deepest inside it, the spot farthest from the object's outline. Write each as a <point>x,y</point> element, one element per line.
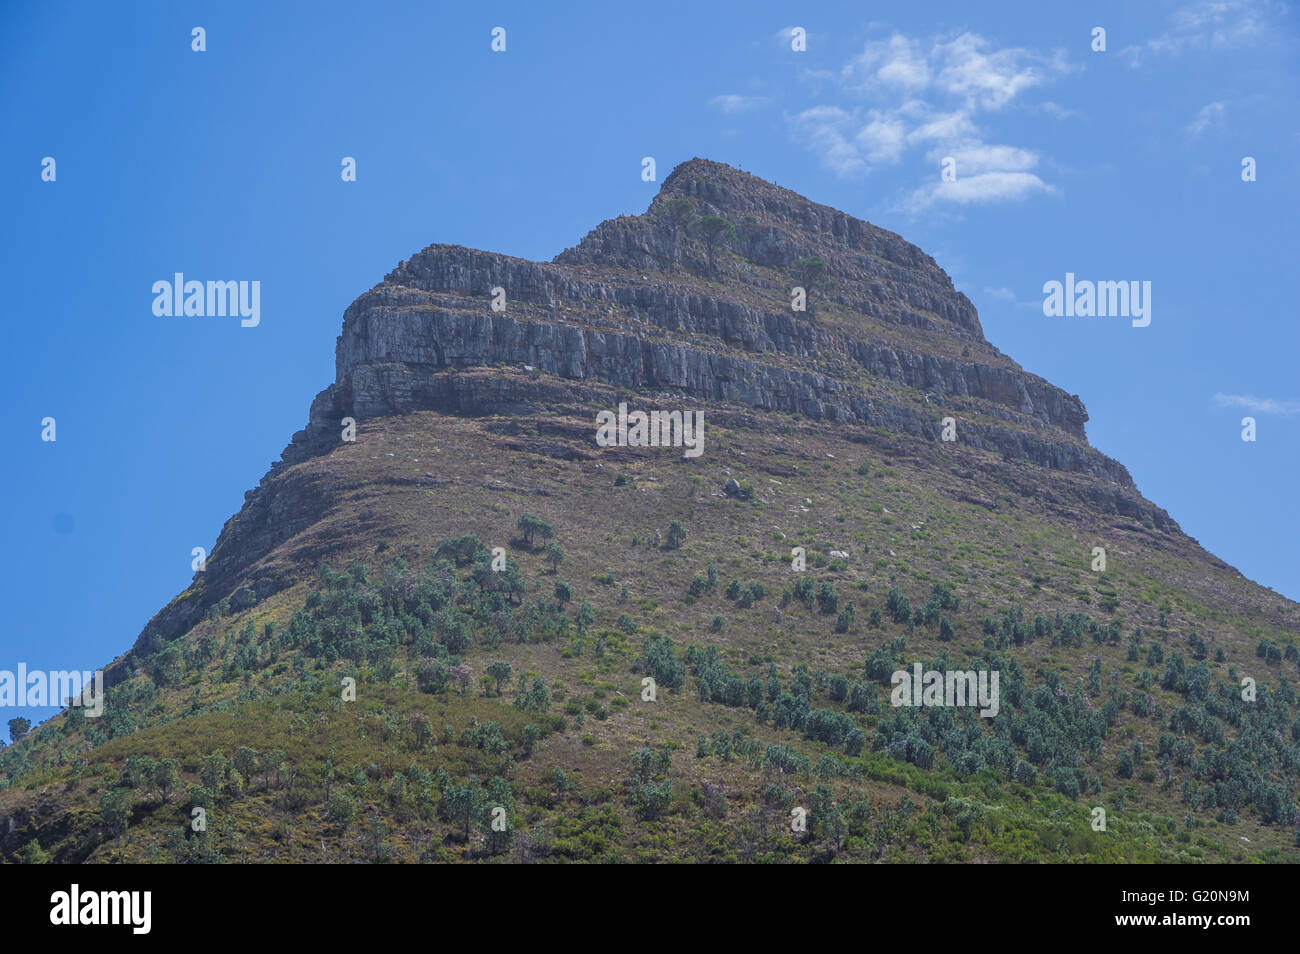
<point>422,728</point>
<point>377,835</point>
<point>827,599</point>
<point>713,229</point>
<point>166,776</point>
<point>115,814</point>
<point>213,772</point>
<point>676,535</point>
<point>431,675</point>
<point>461,674</point>
<point>554,556</point>
<point>500,673</point>
<point>533,527</point>
<point>138,773</point>
<point>273,765</point>
<point>34,854</point>
<point>512,585</point>
<point>500,796</point>
<point>168,666</point>
<point>18,728</point>
<point>586,616</point>
<point>463,804</point>
<point>342,809</point>
<point>245,761</point>
<point>528,527</point>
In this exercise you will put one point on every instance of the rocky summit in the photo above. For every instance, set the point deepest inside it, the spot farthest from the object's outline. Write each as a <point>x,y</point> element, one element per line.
<point>450,624</point>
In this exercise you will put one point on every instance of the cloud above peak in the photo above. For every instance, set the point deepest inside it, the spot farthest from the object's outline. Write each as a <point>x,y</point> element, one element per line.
<point>966,68</point>
<point>902,95</point>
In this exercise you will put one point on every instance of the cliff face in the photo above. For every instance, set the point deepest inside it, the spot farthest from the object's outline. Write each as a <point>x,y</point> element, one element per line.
<point>887,342</point>
<point>637,305</point>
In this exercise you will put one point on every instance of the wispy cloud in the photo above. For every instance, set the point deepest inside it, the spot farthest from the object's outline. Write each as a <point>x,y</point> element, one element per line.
<point>1259,405</point>
<point>1210,114</point>
<point>972,190</point>
<point>903,94</point>
<point>1055,110</point>
<point>784,35</point>
<point>736,103</point>
<point>1208,25</point>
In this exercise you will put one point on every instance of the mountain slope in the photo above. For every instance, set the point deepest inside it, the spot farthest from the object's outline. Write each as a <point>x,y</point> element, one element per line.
<point>1121,688</point>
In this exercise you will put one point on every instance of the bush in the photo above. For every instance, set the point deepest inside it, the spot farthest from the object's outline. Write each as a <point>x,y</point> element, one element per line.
<point>342,809</point>
<point>676,535</point>
<point>839,686</point>
<point>898,605</point>
<point>827,599</point>
<point>660,658</point>
<point>1124,766</point>
<point>1024,773</point>
<point>533,527</point>
<point>432,675</point>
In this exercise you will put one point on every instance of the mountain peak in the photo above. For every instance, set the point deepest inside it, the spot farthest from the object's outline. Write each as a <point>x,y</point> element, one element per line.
<point>653,301</point>
<point>883,345</point>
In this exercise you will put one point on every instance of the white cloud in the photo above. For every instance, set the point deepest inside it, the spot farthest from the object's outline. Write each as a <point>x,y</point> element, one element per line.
<point>981,159</point>
<point>985,187</point>
<point>1209,25</point>
<point>948,127</point>
<point>1209,115</point>
<point>883,138</point>
<point>735,103</point>
<point>1001,294</point>
<point>986,78</point>
<point>1257,404</point>
<point>896,62</point>
<point>825,128</point>
<point>902,93</point>
<point>966,67</point>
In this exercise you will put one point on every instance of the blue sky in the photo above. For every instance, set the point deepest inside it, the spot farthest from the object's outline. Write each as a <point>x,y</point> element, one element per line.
<point>225,164</point>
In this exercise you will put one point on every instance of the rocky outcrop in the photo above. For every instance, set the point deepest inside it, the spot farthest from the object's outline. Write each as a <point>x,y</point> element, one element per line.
<point>637,305</point>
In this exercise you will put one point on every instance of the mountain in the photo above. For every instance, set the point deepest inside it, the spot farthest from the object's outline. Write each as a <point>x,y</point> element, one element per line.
<point>565,650</point>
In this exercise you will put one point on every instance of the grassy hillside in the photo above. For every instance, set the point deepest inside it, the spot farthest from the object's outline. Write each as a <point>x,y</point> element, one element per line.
<point>1120,689</point>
